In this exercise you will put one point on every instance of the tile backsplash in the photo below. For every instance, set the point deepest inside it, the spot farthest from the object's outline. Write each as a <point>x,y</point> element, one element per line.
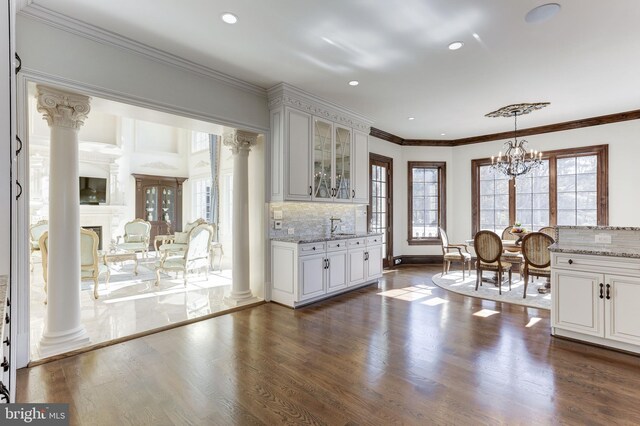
<point>312,219</point>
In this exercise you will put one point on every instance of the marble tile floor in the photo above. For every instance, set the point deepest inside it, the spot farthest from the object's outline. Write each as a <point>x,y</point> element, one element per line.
<point>132,303</point>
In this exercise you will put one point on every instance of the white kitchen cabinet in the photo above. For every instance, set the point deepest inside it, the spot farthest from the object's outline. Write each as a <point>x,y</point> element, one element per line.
<point>314,148</point>
<point>305,273</point>
<point>596,299</point>
<point>360,170</point>
<point>290,152</point>
<point>331,162</point>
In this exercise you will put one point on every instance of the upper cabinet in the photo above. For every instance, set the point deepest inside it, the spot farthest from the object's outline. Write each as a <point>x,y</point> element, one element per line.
<point>319,152</point>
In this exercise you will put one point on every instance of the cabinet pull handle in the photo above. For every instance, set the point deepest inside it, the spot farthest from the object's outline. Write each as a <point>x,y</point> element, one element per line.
<point>19,67</point>
<point>601,291</point>
<point>310,190</point>
<point>5,365</point>
<point>328,263</point>
<point>608,292</point>
<point>6,341</point>
<point>366,255</point>
<point>19,146</point>
<point>4,392</point>
<point>19,193</point>
<point>570,262</point>
<point>353,193</point>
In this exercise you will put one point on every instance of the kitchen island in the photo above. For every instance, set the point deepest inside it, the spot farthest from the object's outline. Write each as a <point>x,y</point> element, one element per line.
<point>595,277</point>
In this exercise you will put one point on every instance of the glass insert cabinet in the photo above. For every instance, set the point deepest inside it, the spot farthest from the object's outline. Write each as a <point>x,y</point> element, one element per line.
<point>331,162</point>
<point>159,201</point>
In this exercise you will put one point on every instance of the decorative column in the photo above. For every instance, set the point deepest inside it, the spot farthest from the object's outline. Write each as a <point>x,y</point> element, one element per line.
<point>65,112</point>
<point>240,143</point>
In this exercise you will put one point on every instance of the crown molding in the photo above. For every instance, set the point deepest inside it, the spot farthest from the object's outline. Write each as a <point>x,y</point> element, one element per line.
<point>75,26</point>
<point>549,128</point>
<point>283,94</point>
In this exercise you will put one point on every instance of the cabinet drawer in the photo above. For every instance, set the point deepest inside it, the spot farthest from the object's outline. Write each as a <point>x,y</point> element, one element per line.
<point>356,242</point>
<point>595,263</point>
<point>311,248</point>
<point>376,239</point>
<point>336,245</point>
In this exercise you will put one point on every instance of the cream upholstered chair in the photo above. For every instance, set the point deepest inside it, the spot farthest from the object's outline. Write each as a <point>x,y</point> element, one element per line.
<point>35,232</point>
<point>179,242</point>
<point>195,255</point>
<point>90,265</point>
<point>537,258</point>
<point>136,237</point>
<point>453,256</point>
<point>488,247</point>
<point>549,230</point>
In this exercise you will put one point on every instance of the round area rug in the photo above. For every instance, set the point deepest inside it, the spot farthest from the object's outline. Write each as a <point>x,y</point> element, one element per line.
<point>453,282</point>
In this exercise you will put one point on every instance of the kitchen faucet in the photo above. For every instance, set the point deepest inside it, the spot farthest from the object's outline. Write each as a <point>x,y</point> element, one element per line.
<point>334,227</point>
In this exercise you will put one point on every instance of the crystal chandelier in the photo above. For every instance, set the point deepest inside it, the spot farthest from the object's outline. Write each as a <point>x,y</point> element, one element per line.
<point>517,159</point>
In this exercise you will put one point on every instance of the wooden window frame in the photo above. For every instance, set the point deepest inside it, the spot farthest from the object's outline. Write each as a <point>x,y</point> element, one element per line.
<point>602,188</point>
<point>388,256</point>
<point>441,166</point>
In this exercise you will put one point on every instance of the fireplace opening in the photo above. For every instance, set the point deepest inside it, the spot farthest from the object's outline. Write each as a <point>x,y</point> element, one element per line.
<point>97,230</point>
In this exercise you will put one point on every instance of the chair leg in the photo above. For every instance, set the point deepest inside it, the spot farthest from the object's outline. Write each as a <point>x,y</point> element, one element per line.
<point>95,288</point>
<point>499,281</point>
<point>526,283</point>
<point>463,264</point>
<point>510,276</point>
<point>157,277</point>
<point>444,268</point>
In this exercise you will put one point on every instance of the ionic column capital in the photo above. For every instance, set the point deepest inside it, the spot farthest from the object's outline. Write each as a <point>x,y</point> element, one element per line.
<point>239,140</point>
<point>62,109</point>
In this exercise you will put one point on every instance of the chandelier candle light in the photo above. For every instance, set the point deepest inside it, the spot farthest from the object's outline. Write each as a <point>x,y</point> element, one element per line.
<point>517,160</point>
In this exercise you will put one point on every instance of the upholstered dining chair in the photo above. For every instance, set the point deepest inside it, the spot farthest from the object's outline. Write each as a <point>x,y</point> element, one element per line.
<point>35,232</point>
<point>488,247</point>
<point>549,230</point>
<point>136,237</point>
<point>513,257</point>
<point>90,265</point>
<point>453,256</point>
<point>195,255</point>
<point>537,258</point>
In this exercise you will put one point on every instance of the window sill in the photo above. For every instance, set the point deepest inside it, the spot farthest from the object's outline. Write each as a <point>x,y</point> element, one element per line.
<point>425,242</point>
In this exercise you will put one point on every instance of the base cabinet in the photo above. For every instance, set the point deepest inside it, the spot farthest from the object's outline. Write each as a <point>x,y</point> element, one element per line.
<point>305,273</point>
<point>594,302</point>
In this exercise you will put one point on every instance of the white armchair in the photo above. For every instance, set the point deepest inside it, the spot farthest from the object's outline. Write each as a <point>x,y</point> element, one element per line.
<point>90,266</point>
<point>180,239</point>
<point>136,237</point>
<point>35,232</point>
<point>194,256</point>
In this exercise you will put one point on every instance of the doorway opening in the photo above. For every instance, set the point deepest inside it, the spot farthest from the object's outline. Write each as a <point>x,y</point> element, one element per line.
<point>380,209</point>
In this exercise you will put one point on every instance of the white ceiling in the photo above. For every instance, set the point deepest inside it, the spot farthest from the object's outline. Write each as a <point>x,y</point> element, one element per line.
<point>585,61</point>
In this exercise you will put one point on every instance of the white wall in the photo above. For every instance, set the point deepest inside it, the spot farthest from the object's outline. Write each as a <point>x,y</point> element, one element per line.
<point>50,51</point>
<point>401,156</point>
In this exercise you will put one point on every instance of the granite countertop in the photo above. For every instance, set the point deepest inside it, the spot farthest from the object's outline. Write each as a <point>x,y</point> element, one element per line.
<point>320,238</point>
<point>601,228</point>
<point>595,250</point>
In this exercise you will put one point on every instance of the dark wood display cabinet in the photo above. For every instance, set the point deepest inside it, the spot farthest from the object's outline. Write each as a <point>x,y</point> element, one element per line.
<point>159,201</point>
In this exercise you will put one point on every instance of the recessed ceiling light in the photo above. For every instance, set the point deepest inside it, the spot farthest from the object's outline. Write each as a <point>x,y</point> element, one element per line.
<point>354,83</point>
<point>456,45</point>
<point>542,13</point>
<point>476,36</point>
<point>442,134</point>
<point>229,18</point>
<point>411,118</point>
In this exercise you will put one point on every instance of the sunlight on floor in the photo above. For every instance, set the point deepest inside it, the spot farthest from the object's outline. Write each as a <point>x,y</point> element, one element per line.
<point>434,302</point>
<point>533,321</point>
<point>414,293</point>
<point>484,313</point>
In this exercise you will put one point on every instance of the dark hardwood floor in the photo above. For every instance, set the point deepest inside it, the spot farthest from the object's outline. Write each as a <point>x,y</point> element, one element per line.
<point>414,355</point>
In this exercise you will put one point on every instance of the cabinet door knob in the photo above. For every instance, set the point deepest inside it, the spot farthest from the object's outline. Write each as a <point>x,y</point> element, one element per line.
<point>313,248</point>
<point>358,242</point>
<point>570,262</point>
<point>338,245</point>
<point>608,292</point>
<point>601,291</point>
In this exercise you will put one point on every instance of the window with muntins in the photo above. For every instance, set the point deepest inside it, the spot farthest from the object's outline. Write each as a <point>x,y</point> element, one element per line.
<point>426,201</point>
<point>571,188</point>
